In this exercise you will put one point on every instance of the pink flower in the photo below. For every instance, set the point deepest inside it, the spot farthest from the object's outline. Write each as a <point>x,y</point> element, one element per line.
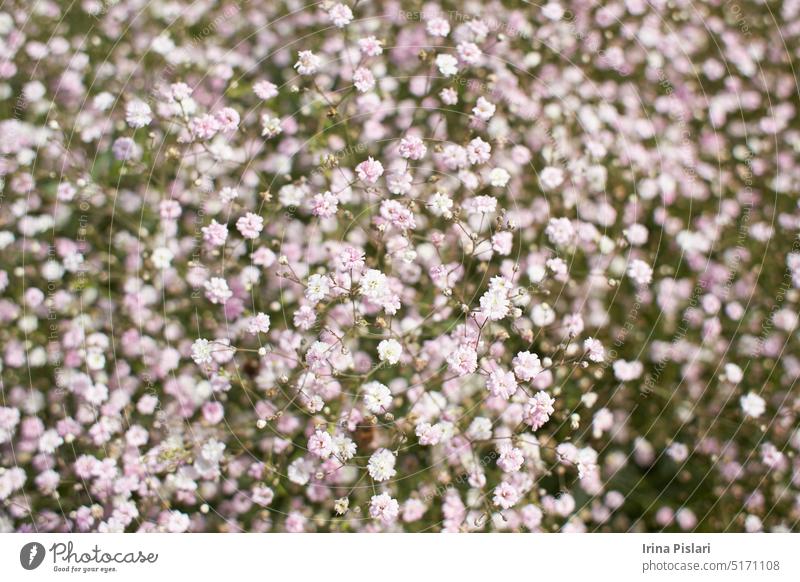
<point>398,215</point>
<point>594,350</point>
<point>228,119</point>
<point>510,459</point>
<point>259,324</point>
<point>370,46</point>
<point>351,259</point>
<point>215,233</point>
<point>340,15</point>
<point>320,444</point>
<point>324,205</point>
<point>560,231</point>
<point>204,127</point>
<point>448,96</point>
<point>551,178</point>
<point>412,148</point>
<point>463,360</point>
<point>538,410</point>
<point>502,384</point>
<point>176,522</point>
<point>217,290</point>
<point>384,508</point>
<point>250,225</point>
<point>469,52</point>
<point>304,317</point>
<point>369,171</point>
<point>438,27</point>
<point>265,90</point>
<point>506,495</point>
<point>478,151</point>
<point>502,242</point>
<point>363,79</point>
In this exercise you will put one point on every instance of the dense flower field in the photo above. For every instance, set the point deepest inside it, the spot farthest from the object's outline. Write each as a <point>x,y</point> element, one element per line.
<point>286,266</point>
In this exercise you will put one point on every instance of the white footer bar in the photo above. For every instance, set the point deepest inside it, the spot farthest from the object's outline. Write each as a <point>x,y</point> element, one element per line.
<point>406,557</point>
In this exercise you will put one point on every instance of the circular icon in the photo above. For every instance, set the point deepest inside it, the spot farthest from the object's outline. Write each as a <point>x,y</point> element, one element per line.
<point>31,555</point>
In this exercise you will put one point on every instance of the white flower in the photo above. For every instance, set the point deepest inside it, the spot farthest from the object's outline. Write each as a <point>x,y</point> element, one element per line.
<point>212,451</point>
<point>448,65</point>
<point>627,371</point>
<point>399,183</point>
<point>50,441</point>
<point>526,366</point>
<point>162,258</point>
<point>636,234</point>
<point>438,27</point>
<point>543,315</point>
<point>753,405</point>
<point>343,448</point>
<point>270,126</point>
<point>480,429</point>
<point>138,114</point>
<point>381,465</point>
<point>640,272</point>
<point>752,524</point>
<point>340,15</point>
<point>263,495</point>
<point>551,178</point>
<point>478,151</point>
<point>369,170</point>
<point>201,351</point>
<point>374,284</point>
<point>463,360</point>
<point>299,471</point>
<point>440,205</point>
<point>484,109</point>
<point>341,505</point>
<point>538,410</point>
<point>9,419</point>
<point>377,397</point>
<point>733,373</point>
<point>560,231</point>
<point>177,522</point>
<point>318,287</point>
<point>265,90</point>
<point>553,11</point>
<point>495,304</point>
<point>95,360</point>
<point>390,351</point>
<point>499,177</point>
<point>307,63</point>
<point>103,101</point>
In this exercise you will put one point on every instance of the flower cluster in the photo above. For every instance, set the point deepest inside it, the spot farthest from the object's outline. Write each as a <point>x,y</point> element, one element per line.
<point>269,266</point>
